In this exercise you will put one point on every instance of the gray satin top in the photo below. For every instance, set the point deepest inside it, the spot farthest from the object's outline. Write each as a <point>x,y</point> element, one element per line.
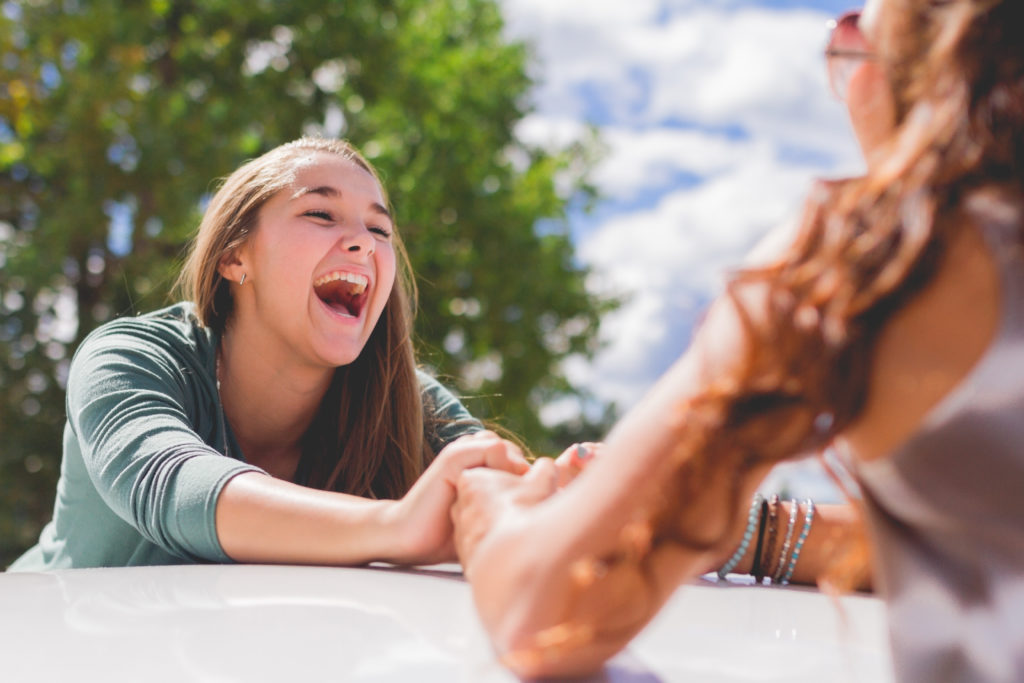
<point>947,512</point>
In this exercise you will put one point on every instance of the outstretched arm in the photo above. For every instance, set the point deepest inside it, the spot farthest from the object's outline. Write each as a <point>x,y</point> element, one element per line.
<point>529,569</point>
<point>134,400</point>
<point>263,519</point>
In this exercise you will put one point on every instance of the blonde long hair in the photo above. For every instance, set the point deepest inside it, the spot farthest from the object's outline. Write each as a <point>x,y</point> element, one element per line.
<point>368,437</point>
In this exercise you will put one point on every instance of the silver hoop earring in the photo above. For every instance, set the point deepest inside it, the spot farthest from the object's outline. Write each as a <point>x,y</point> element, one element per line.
<point>242,281</point>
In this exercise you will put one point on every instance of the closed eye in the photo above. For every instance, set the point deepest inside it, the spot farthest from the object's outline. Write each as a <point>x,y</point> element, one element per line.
<point>322,215</point>
<point>317,213</point>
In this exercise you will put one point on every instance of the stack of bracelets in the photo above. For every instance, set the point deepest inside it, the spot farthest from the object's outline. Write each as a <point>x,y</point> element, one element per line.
<point>764,518</point>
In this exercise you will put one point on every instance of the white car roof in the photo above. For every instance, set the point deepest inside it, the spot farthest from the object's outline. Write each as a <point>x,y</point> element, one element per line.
<point>278,623</point>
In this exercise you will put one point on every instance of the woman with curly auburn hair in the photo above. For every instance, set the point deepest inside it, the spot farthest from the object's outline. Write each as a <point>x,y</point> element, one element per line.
<point>891,328</point>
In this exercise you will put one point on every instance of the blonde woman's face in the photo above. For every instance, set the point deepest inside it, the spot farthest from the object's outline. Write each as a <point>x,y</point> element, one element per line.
<point>320,265</point>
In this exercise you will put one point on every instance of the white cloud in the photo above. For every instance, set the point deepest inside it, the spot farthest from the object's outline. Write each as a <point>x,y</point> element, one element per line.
<point>716,116</point>
<point>655,158</point>
<point>641,159</point>
<point>530,17</point>
<point>671,258</point>
<point>640,64</point>
<point>716,119</point>
<point>550,130</point>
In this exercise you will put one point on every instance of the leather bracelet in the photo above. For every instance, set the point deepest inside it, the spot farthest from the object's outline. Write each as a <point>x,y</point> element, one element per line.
<point>755,567</point>
<point>769,545</point>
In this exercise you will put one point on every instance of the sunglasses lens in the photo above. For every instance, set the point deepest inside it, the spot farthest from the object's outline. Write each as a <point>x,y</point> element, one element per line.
<point>845,38</point>
<point>846,31</point>
<point>840,71</point>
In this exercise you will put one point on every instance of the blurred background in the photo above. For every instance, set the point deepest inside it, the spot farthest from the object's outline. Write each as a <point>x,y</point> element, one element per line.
<point>572,179</point>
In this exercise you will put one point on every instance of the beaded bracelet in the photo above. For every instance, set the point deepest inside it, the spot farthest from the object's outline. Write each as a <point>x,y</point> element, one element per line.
<point>752,519</point>
<point>808,519</point>
<point>794,510</point>
<point>755,565</point>
<point>765,567</point>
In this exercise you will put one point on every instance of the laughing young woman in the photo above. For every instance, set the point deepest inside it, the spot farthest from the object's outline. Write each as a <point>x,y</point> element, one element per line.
<point>278,416</point>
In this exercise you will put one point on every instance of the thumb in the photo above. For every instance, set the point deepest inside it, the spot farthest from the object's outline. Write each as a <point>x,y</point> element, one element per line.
<point>539,483</point>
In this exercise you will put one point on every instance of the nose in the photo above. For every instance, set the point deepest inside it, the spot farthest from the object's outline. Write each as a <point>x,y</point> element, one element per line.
<point>358,240</point>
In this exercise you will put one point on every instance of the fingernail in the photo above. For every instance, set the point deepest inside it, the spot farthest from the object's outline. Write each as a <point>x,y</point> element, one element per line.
<point>582,452</point>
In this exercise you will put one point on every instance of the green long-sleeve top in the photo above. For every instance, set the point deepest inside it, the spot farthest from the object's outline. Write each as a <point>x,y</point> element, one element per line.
<point>144,447</point>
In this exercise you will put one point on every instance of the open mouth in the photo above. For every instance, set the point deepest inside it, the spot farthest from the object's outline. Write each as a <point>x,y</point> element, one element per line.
<point>344,293</point>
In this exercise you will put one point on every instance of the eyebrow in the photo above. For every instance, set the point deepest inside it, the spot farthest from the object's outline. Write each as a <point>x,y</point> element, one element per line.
<point>333,193</point>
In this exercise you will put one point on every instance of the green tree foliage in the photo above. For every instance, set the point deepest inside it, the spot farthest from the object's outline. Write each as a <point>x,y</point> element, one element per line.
<point>115,116</point>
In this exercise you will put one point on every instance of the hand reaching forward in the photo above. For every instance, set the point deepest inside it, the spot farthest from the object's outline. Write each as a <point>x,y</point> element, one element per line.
<point>422,516</point>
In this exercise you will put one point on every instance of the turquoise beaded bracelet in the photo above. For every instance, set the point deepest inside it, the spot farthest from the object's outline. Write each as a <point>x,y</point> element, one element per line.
<point>752,519</point>
<point>804,532</point>
<point>794,509</point>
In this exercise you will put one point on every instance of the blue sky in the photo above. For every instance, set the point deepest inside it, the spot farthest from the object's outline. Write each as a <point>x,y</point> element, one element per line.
<point>717,117</point>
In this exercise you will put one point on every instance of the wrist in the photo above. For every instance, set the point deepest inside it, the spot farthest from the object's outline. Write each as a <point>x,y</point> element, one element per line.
<point>389,522</point>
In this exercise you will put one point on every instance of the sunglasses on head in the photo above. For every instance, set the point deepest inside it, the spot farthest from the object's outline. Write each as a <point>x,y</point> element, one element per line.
<point>844,52</point>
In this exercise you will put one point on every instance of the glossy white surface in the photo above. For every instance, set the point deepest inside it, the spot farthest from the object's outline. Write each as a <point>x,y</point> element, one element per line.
<point>266,623</point>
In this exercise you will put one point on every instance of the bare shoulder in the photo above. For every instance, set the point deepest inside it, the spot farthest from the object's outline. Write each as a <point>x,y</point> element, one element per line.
<point>930,346</point>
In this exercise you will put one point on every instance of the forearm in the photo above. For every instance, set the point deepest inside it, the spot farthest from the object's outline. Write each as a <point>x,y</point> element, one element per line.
<point>545,575</point>
<point>536,614</point>
<point>263,519</point>
<point>544,592</point>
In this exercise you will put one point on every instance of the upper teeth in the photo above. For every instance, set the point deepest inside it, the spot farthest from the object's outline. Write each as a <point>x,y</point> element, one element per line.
<point>359,282</point>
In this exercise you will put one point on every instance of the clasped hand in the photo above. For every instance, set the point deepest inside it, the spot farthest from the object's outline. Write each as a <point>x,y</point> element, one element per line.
<point>487,498</point>
<point>458,498</point>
